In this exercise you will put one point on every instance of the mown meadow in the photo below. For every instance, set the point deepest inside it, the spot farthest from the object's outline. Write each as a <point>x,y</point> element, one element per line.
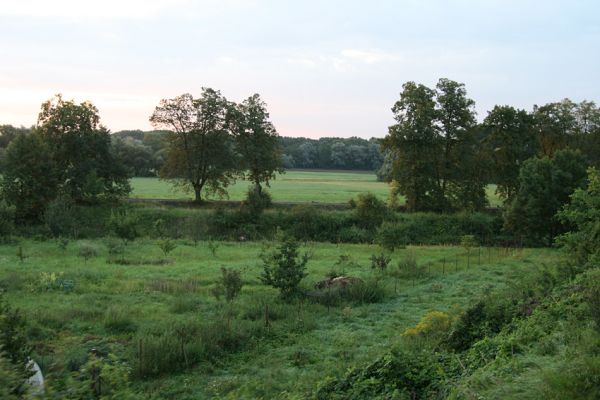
<point>156,312</point>
<point>295,186</point>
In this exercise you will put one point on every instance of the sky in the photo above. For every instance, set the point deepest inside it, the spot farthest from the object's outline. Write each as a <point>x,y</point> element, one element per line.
<point>324,68</point>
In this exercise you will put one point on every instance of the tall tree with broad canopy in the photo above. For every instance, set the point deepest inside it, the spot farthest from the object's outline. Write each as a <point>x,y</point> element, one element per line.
<point>545,185</point>
<point>416,145</point>
<point>29,177</point>
<point>462,176</point>
<point>201,155</point>
<point>510,140</point>
<point>434,149</point>
<point>257,142</point>
<point>81,150</point>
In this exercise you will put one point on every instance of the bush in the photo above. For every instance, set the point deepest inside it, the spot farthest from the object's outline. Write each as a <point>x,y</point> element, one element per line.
<point>87,251</point>
<point>14,345</point>
<point>390,237</point>
<point>229,284</point>
<point>166,246</point>
<point>433,326</point>
<point>256,201</point>
<point>284,268</point>
<point>59,217</point>
<point>7,219</point>
<point>370,212</point>
<point>380,262</point>
<point>400,374</point>
<point>124,225</point>
<point>11,380</point>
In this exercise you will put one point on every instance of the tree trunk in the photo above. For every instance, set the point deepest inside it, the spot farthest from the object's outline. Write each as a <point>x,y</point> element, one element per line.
<point>198,193</point>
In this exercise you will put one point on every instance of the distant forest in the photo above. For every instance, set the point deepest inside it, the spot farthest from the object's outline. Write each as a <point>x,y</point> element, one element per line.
<point>143,152</point>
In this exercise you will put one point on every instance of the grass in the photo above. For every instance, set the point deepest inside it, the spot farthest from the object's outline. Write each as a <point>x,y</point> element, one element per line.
<point>110,304</point>
<point>293,186</point>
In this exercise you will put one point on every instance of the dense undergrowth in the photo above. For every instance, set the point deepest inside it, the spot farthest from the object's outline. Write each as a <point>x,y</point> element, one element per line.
<point>305,223</point>
<point>536,340</point>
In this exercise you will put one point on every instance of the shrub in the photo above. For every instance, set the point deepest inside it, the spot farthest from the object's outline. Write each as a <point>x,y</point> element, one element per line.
<point>229,284</point>
<point>400,374</point>
<point>284,268</point>
<point>124,225</point>
<point>433,326</point>
<point>7,219</point>
<point>87,251</point>
<point>370,212</point>
<point>257,200</point>
<point>390,237</point>
<point>14,345</point>
<point>166,246</point>
<point>592,295</point>
<point>59,217</point>
<point>380,262</point>
<point>11,380</point>
<point>408,267</point>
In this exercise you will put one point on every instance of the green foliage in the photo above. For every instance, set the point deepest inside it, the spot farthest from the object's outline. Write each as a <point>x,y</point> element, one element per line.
<point>370,212</point>
<point>284,268</point>
<point>14,347</point>
<point>592,295</point>
<point>80,150</point>
<point>257,200</point>
<point>400,374</point>
<point>124,225</point>
<point>59,217</point>
<point>390,237</point>
<point>257,142</point>
<point>583,214</point>
<point>380,262</point>
<point>7,219</point>
<point>436,160</point>
<point>510,140</point>
<point>229,284</point>
<point>116,320</point>
<point>433,326</point>
<point>11,380</point>
<point>545,185</point>
<point>87,251</point>
<point>103,378</point>
<point>29,180</point>
<point>200,153</point>
<point>166,246</point>
<point>408,267</point>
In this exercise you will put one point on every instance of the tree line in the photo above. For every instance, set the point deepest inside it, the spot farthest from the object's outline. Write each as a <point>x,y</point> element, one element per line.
<point>441,159</point>
<point>208,143</point>
<point>144,152</point>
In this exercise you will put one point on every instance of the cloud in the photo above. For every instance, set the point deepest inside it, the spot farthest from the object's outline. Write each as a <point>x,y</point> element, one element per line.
<point>368,56</point>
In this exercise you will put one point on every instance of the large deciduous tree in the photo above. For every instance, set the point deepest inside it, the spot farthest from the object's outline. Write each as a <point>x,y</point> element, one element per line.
<point>201,155</point>
<point>257,142</point>
<point>462,176</point>
<point>416,145</point>
<point>435,150</point>
<point>29,177</point>
<point>81,150</point>
<point>510,140</point>
<point>545,185</point>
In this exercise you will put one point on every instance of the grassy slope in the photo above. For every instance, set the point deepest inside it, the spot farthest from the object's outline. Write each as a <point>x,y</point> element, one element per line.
<point>283,366</point>
<point>293,186</point>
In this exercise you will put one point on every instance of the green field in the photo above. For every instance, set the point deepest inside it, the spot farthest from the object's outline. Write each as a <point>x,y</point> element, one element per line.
<point>293,186</point>
<point>111,306</point>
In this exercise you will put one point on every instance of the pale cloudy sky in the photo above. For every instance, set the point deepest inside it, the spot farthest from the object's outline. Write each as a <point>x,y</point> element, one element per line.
<point>325,68</point>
